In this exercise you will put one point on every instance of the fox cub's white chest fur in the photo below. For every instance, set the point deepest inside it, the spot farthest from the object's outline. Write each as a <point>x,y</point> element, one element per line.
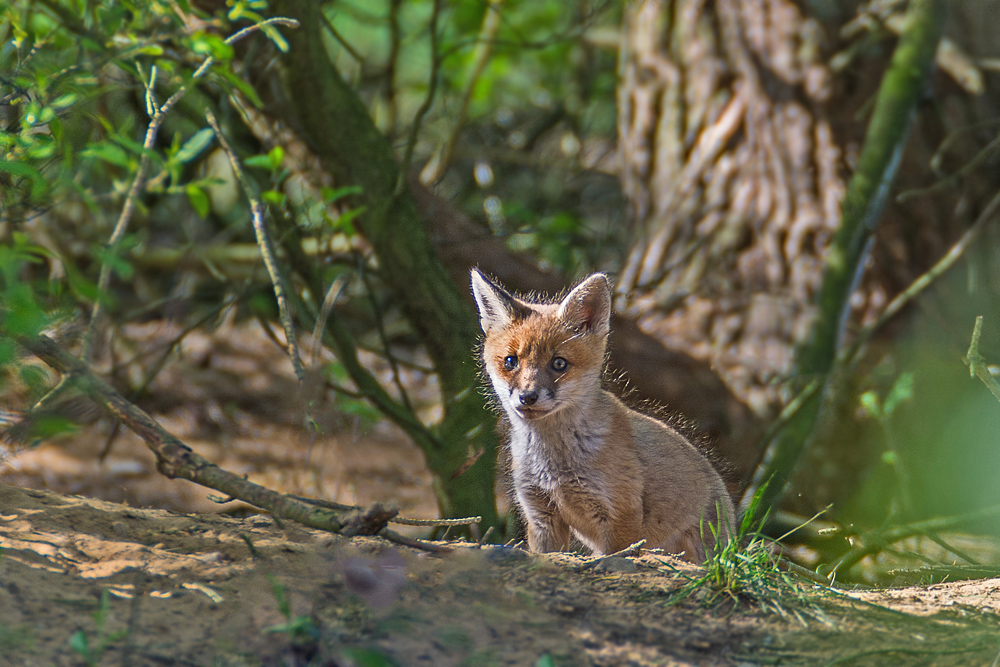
<point>583,464</point>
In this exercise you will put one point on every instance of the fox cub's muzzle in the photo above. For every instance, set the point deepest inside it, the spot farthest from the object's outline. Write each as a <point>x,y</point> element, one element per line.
<point>528,398</point>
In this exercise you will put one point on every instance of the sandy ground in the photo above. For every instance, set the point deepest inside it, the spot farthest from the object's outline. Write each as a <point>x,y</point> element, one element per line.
<point>154,587</point>
<point>147,571</point>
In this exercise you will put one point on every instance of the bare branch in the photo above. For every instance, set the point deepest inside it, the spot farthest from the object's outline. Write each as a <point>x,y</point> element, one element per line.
<point>384,338</point>
<point>175,459</point>
<point>266,249</point>
<point>425,106</point>
<point>395,37</point>
<point>336,287</point>
<point>340,38</point>
<point>977,366</point>
<point>438,164</point>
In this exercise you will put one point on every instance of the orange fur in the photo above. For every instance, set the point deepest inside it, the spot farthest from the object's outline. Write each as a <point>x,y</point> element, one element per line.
<point>584,465</point>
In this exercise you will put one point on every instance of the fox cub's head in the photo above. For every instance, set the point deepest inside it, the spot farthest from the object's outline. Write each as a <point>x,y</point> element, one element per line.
<point>543,357</point>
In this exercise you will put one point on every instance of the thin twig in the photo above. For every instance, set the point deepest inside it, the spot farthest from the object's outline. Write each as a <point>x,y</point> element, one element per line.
<point>632,550</point>
<point>390,68</point>
<point>175,459</point>
<point>438,164</point>
<point>401,520</point>
<point>977,366</point>
<point>948,181</point>
<point>425,106</point>
<point>157,366</point>
<point>266,249</point>
<point>336,287</point>
<point>340,38</point>
<point>380,328</point>
<point>465,521</point>
<point>132,198</point>
<point>393,536</point>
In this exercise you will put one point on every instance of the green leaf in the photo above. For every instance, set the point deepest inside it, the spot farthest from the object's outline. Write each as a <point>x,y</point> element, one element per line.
<point>240,85</point>
<point>258,161</point>
<point>345,222</point>
<point>56,128</point>
<point>8,352</point>
<point>44,147</point>
<point>64,101</point>
<point>108,153</point>
<point>38,184</point>
<point>121,266</point>
<point>362,409</point>
<point>870,404</point>
<point>901,392</point>
<point>50,427</point>
<point>331,195</point>
<point>195,145</point>
<point>276,156</point>
<point>199,200</point>
<point>273,197</point>
<point>23,315</point>
<point>276,37</point>
<point>79,643</point>
<point>278,591</point>
<point>368,657</point>
<point>34,378</point>
<point>208,44</point>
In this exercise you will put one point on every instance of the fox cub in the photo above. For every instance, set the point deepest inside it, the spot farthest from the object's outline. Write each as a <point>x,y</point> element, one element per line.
<point>583,464</point>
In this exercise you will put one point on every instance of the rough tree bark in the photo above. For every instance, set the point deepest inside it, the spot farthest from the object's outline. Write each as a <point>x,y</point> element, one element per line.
<point>737,135</point>
<point>732,170</point>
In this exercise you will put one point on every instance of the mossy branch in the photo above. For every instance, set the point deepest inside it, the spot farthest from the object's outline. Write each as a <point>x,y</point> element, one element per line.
<point>176,460</point>
<point>266,246</point>
<point>895,108</point>
<point>977,366</point>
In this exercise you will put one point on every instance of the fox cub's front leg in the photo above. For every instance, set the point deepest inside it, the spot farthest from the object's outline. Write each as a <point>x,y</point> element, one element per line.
<point>547,528</point>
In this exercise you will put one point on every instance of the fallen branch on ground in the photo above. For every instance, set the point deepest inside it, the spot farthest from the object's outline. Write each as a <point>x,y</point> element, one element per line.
<point>176,460</point>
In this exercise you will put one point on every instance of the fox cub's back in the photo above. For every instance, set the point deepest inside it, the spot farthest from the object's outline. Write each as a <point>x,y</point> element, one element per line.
<point>583,465</point>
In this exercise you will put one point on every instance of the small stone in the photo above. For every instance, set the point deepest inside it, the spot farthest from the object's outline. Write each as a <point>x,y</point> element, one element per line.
<point>505,555</point>
<point>617,564</point>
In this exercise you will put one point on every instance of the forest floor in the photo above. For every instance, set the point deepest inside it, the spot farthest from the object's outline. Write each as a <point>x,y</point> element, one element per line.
<point>101,579</point>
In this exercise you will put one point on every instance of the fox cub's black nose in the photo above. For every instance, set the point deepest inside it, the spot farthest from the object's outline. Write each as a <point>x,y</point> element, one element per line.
<point>528,397</point>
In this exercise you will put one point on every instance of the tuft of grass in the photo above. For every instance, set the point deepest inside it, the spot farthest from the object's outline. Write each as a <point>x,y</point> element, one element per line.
<point>301,631</point>
<point>92,652</point>
<point>748,567</point>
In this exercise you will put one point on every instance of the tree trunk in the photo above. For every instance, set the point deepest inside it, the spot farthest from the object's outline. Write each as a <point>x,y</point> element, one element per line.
<point>331,119</point>
<point>733,173</point>
<point>739,125</point>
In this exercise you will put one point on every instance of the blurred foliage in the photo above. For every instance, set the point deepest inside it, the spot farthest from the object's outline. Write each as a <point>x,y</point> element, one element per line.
<point>545,99</point>
<point>80,81</point>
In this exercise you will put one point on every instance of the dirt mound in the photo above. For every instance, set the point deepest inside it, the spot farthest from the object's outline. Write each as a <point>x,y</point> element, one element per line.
<point>84,581</point>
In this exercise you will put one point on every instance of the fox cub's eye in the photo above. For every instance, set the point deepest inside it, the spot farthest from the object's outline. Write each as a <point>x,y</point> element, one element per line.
<point>510,362</point>
<point>559,364</point>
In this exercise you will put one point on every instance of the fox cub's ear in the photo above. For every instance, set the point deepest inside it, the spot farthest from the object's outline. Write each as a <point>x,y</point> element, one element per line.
<point>588,306</point>
<point>496,306</point>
